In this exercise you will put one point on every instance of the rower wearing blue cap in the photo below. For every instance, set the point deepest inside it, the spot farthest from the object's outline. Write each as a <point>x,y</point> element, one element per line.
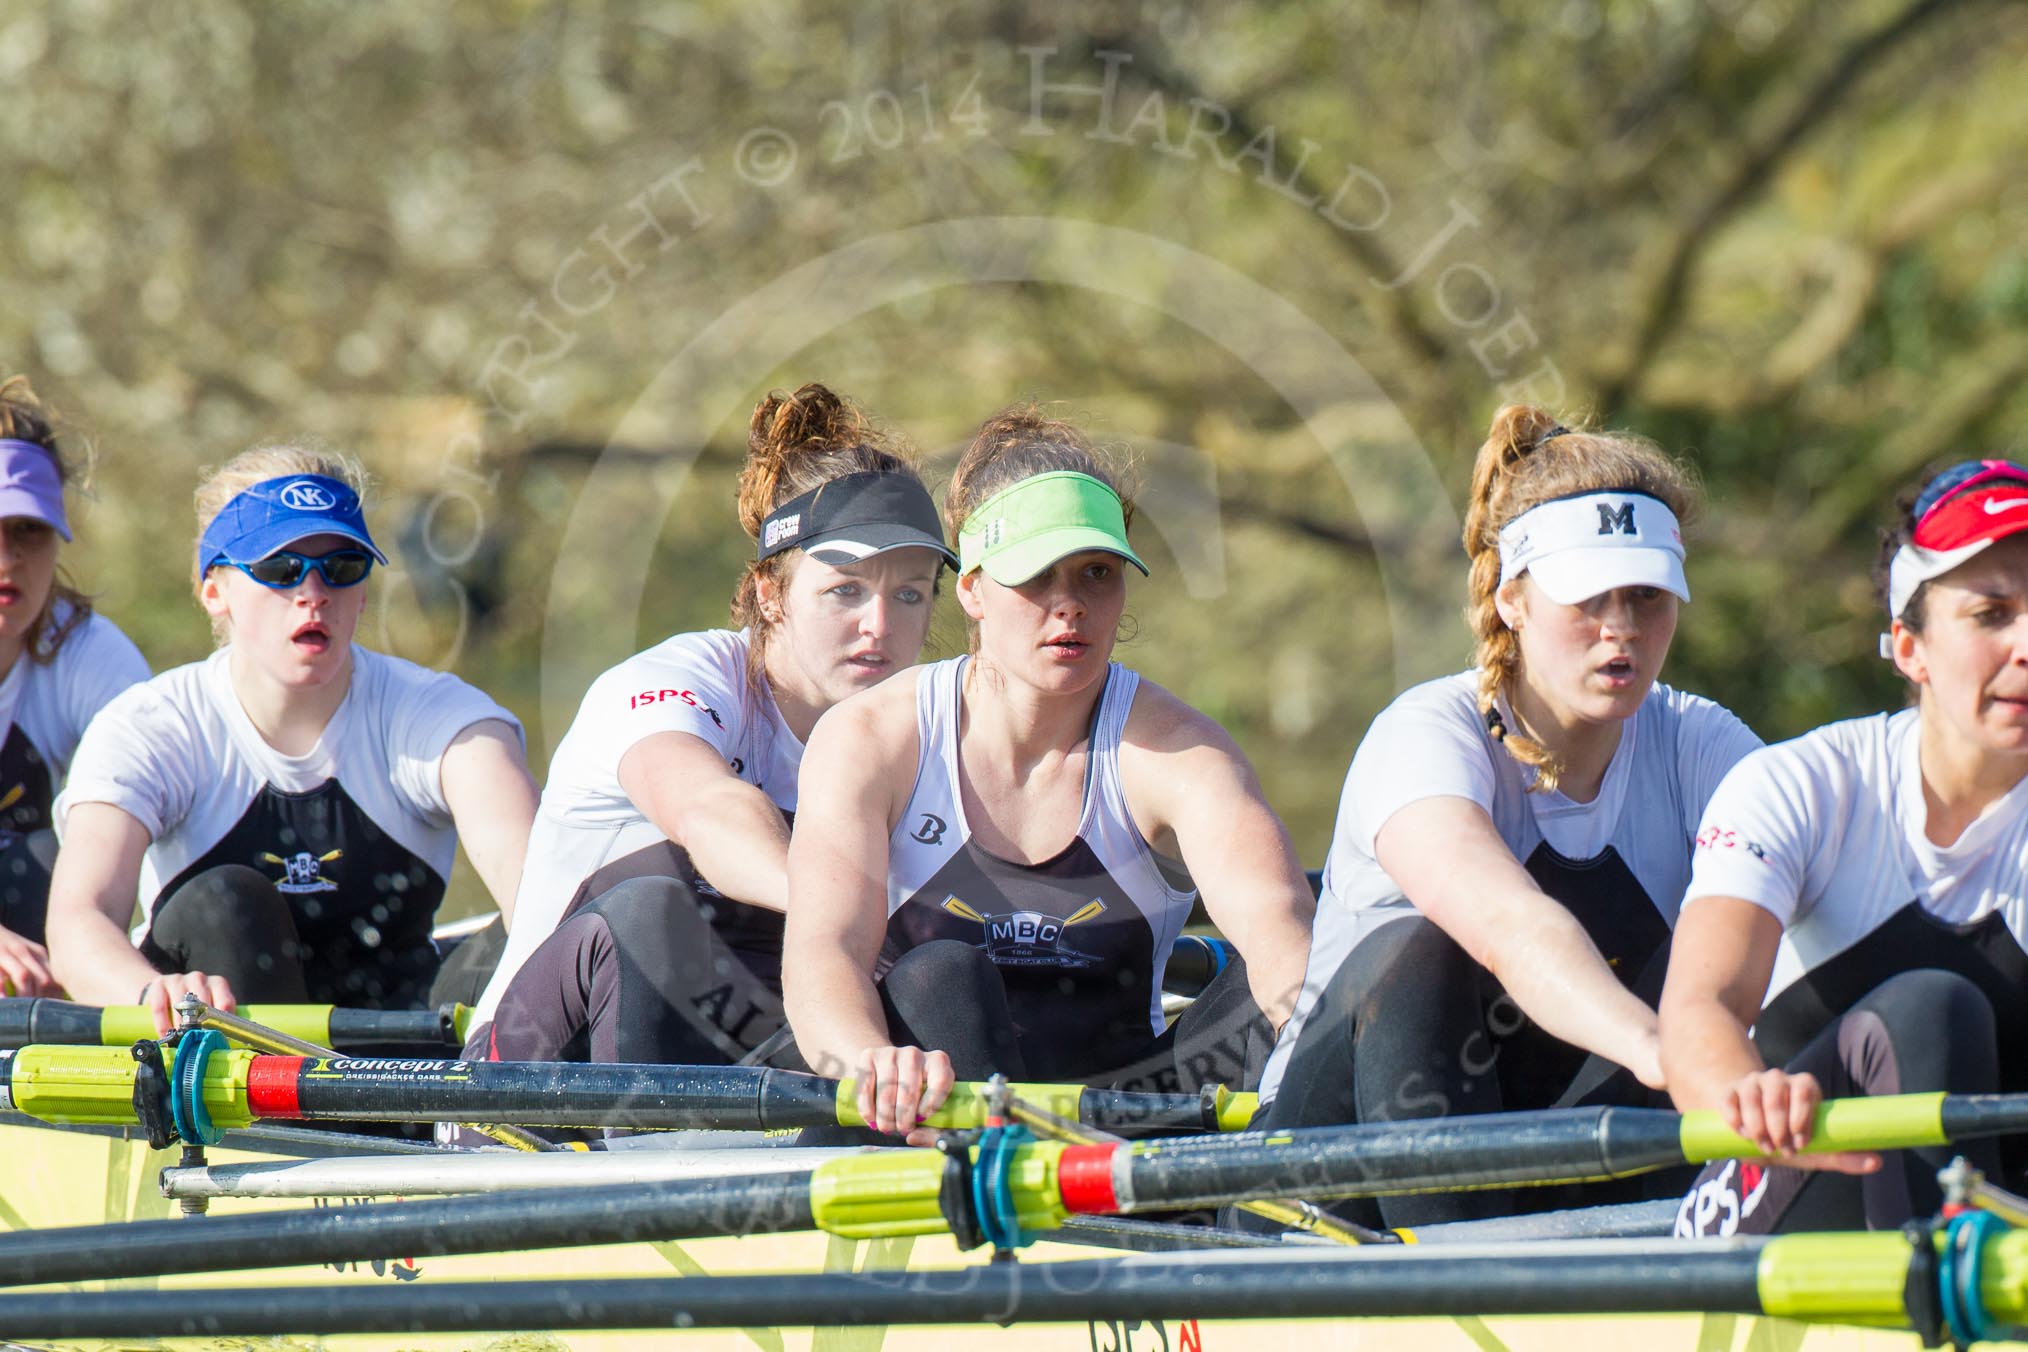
<point>285,812</point>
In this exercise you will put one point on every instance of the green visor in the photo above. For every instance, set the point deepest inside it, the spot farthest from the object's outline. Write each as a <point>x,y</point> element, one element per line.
<point>1023,529</point>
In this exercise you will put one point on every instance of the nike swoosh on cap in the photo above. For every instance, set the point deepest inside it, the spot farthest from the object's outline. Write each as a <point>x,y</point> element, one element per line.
<point>1993,506</point>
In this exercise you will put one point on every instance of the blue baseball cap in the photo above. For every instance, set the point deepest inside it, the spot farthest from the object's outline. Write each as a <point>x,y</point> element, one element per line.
<point>276,513</point>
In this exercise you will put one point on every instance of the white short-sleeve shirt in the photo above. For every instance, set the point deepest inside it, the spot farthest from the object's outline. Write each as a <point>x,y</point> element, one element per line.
<point>1432,742</point>
<point>695,683</point>
<point>180,755</point>
<point>1827,834</point>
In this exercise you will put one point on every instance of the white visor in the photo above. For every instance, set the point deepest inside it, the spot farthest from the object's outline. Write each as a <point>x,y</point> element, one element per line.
<point>1576,548</point>
<point>1913,565</point>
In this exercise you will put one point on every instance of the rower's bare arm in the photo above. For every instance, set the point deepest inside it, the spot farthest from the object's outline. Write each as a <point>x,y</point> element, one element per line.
<point>734,834</point>
<point>1720,959</point>
<point>492,799</point>
<point>1447,858</point>
<point>1186,778</point>
<point>838,910</point>
<point>91,899</point>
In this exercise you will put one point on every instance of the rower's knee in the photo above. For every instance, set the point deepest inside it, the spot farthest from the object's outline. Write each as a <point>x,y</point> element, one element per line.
<point>933,970</point>
<point>1921,1032</point>
<point>1414,961</point>
<point>638,905</point>
<point>230,898</point>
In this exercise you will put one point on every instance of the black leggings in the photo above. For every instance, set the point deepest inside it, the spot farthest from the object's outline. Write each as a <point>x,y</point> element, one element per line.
<point>947,996</point>
<point>1411,1027</point>
<point>638,975</point>
<point>26,861</point>
<point>230,921</point>
<point>1916,1033</point>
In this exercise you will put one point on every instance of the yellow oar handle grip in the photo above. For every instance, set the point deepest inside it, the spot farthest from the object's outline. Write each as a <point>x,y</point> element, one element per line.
<point>1886,1122</point>
<point>966,1106</point>
<point>121,1024</point>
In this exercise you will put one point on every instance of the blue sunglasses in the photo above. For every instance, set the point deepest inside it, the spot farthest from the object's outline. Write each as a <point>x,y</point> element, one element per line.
<point>285,568</point>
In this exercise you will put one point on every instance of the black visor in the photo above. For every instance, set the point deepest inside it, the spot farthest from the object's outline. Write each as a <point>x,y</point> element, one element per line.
<point>856,517</point>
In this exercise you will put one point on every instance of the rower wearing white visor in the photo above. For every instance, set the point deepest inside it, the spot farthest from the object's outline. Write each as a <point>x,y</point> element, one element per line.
<point>1513,840</point>
<point>1860,894</point>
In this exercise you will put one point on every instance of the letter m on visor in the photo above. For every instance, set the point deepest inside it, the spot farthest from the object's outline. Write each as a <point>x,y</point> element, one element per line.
<point>1612,519</point>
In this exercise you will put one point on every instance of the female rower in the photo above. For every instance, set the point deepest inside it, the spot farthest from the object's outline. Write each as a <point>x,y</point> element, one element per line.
<point>1007,833</point>
<point>287,810</point>
<point>59,665</point>
<point>681,765</point>
<point>1513,840</point>
<point>1858,896</point>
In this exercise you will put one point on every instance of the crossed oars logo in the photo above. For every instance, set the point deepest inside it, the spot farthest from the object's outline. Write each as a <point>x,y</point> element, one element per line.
<point>300,873</point>
<point>959,907</point>
<point>1028,938</point>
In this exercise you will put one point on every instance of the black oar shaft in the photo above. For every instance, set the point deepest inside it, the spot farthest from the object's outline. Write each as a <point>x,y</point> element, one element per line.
<point>550,1095</point>
<point>686,1209</point>
<point>1967,1116</point>
<point>1375,1159</point>
<point>1233,1286</point>
<point>642,1097</point>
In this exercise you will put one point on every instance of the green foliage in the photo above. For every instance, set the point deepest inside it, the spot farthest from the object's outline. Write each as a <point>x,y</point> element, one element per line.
<point>1780,237</point>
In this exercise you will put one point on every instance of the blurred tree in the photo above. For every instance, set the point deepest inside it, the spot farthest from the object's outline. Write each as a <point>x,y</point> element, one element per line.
<point>536,260</point>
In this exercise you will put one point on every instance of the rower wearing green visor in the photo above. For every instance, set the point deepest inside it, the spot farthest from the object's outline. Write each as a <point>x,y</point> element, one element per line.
<point>995,854</point>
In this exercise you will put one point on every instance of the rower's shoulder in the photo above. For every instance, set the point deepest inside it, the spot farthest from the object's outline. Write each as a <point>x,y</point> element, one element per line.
<point>1847,749</point>
<point>1832,768</point>
<point>186,691</point>
<point>878,715</point>
<point>1161,720</point>
<point>389,682</point>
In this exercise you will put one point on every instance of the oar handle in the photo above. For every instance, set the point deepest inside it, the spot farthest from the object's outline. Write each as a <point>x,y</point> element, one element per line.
<point>25,1022</point>
<point>1885,1122</point>
<point>1112,1109</point>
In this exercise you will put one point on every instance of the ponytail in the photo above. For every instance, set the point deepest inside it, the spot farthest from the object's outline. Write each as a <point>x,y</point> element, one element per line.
<point>795,442</point>
<point>1527,459</point>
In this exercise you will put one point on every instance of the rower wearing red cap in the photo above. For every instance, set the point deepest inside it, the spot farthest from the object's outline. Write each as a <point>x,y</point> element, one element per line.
<point>1859,895</point>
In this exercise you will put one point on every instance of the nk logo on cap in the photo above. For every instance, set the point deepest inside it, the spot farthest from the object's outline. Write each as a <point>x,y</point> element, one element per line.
<point>304,496</point>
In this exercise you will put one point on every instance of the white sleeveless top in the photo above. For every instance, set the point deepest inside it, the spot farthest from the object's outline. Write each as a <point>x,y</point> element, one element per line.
<point>1080,939</point>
